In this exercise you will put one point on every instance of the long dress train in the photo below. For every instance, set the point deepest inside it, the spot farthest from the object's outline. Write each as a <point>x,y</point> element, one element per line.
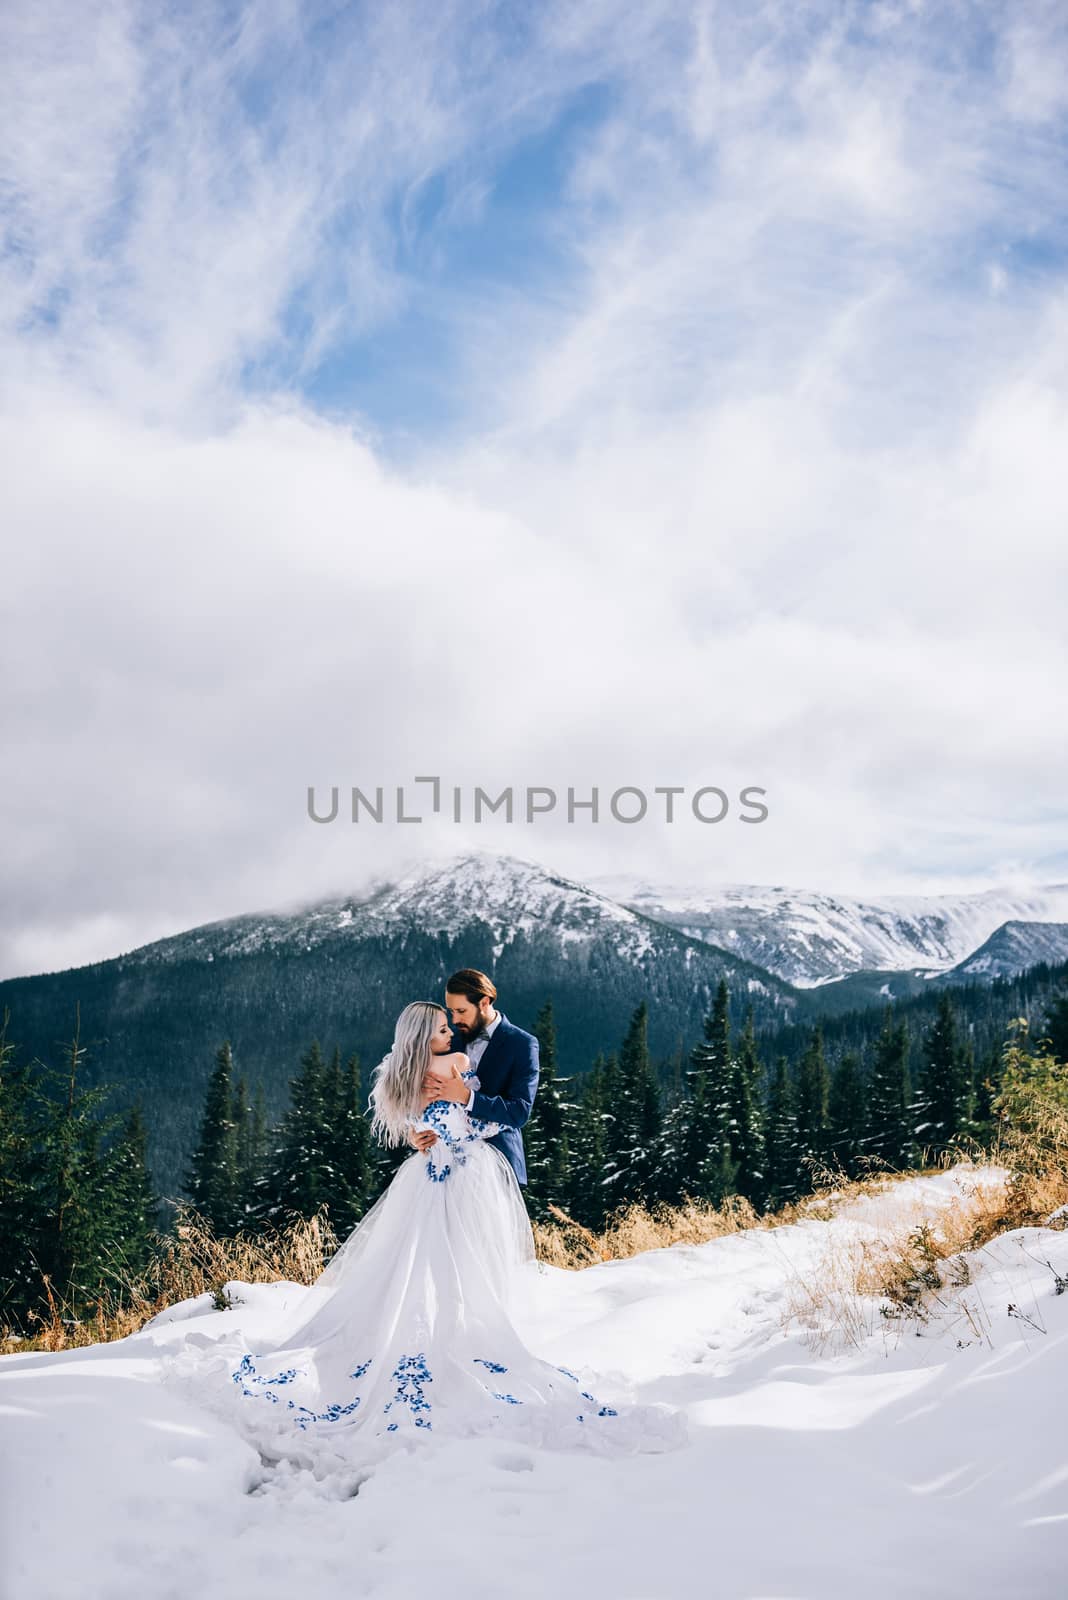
<point>409,1330</point>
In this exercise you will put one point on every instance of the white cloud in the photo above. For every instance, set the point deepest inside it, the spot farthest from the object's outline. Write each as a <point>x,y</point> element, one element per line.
<point>769,490</point>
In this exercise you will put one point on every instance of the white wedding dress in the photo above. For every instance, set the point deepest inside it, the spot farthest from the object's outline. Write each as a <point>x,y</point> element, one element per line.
<point>409,1331</point>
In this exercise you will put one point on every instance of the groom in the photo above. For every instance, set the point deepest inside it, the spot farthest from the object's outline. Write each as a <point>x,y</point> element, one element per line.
<point>505,1058</point>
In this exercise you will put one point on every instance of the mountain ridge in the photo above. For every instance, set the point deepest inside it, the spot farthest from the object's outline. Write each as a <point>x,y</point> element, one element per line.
<point>811,938</point>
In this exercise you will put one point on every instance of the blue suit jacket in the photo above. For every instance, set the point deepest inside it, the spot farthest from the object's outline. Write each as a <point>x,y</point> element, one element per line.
<point>508,1079</point>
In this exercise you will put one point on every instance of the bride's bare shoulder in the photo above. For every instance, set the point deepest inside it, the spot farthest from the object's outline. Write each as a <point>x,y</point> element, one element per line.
<point>458,1058</point>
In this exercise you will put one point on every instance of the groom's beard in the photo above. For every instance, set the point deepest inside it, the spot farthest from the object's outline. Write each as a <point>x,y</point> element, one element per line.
<point>470,1034</point>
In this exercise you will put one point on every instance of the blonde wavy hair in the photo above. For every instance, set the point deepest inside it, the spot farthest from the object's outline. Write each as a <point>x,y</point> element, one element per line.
<point>397,1090</point>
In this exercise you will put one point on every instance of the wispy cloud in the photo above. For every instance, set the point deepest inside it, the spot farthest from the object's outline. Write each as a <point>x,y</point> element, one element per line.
<point>534,394</point>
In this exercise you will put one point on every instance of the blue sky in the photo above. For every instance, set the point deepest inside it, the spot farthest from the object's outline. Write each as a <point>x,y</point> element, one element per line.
<point>460,236</point>
<point>567,394</point>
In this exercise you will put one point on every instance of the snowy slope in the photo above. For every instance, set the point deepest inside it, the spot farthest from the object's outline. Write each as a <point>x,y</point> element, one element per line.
<point>931,1466</point>
<point>810,938</point>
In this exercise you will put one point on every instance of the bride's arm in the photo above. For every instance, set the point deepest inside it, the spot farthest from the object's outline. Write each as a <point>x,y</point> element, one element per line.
<point>480,1129</point>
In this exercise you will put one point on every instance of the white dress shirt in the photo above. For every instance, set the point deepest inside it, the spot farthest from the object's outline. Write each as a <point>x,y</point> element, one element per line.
<point>474,1053</point>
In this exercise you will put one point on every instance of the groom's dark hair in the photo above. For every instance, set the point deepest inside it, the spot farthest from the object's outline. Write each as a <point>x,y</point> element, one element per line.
<point>471,983</point>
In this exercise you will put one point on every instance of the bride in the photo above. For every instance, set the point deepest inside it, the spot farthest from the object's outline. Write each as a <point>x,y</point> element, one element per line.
<point>410,1329</point>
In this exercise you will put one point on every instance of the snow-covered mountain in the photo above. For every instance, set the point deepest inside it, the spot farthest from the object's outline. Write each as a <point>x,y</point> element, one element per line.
<point>802,937</point>
<point>810,938</point>
<point>513,897</point>
<point>1015,947</point>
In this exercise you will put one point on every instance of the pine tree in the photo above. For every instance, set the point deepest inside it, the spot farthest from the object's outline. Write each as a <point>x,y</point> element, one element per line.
<point>968,1124</point>
<point>705,1163</point>
<point>813,1090</point>
<point>76,1248</point>
<point>633,1141</point>
<point>24,1183</point>
<point>131,1202</point>
<point>650,1113</point>
<point>847,1114</point>
<point>748,1148</point>
<point>352,1160</point>
<point>213,1178</point>
<point>888,1139</point>
<point>1055,1029</point>
<point>301,1174</point>
<point>244,1180</point>
<point>1031,1107</point>
<point>784,1150</point>
<point>75,1202</point>
<point>589,1172</point>
<point>941,1105</point>
<point>675,1072</point>
<point>250,1134</point>
<point>721,1173</point>
<point>545,1136</point>
<point>256,1148</point>
<point>673,1132</point>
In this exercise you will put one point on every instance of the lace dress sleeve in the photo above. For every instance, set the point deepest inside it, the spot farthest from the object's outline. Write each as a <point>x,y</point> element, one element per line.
<point>456,1131</point>
<point>480,1128</point>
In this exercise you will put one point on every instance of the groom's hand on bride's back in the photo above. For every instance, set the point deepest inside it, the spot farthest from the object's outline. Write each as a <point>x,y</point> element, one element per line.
<point>443,1080</point>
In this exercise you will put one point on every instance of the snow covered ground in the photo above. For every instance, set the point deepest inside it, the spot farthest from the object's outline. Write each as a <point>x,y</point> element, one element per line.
<point>929,1462</point>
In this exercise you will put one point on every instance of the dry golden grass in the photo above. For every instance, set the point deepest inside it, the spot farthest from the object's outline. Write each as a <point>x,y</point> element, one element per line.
<point>192,1263</point>
<point>897,1267</point>
<point>913,1266</point>
<point>636,1228</point>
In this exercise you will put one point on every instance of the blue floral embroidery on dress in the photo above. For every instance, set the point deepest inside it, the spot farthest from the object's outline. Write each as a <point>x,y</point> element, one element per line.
<point>497,1366</point>
<point>455,1128</point>
<point>332,1413</point>
<point>411,1373</point>
<point>246,1373</point>
<point>605,1411</point>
